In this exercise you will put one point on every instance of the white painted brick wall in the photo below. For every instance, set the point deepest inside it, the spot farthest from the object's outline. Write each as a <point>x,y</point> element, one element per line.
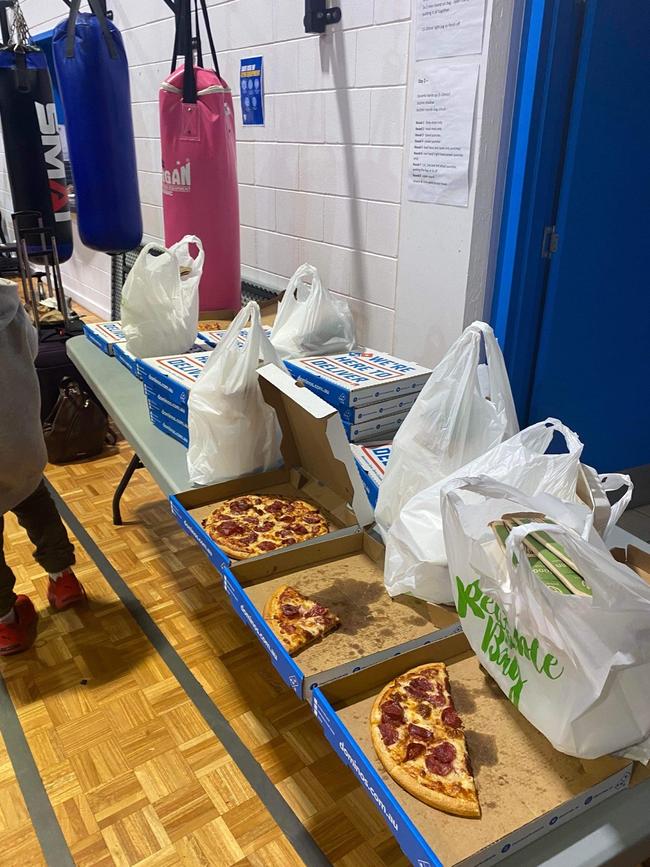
<point>322,180</point>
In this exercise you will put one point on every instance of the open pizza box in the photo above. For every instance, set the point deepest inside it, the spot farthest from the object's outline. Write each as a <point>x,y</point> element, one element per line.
<point>526,788</point>
<point>345,573</point>
<point>318,467</point>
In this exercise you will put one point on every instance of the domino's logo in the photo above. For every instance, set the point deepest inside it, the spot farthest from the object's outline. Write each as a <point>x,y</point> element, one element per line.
<point>422,863</point>
<point>293,681</point>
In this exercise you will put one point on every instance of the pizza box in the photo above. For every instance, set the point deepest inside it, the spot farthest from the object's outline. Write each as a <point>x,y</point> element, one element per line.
<point>360,414</point>
<point>159,400</point>
<point>358,378</point>
<point>526,787</point>
<point>173,375</point>
<point>345,573</point>
<point>169,425</point>
<point>371,461</point>
<point>104,335</point>
<point>318,467</point>
<point>377,429</point>
<point>126,358</point>
<point>212,337</point>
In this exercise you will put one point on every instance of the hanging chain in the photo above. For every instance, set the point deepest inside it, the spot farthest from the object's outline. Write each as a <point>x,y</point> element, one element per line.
<point>20,34</point>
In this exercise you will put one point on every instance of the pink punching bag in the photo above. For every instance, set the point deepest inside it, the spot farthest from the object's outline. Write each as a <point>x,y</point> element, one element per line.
<point>199,163</point>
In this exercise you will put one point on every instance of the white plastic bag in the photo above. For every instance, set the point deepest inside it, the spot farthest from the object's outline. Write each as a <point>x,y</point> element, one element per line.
<point>464,410</point>
<point>233,431</point>
<point>606,515</point>
<point>310,321</point>
<point>416,560</point>
<point>160,299</point>
<point>577,667</point>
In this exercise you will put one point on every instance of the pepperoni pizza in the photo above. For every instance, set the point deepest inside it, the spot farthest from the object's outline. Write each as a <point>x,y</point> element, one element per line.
<point>419,739</point>
<point>297,620</point>
<point>255,524</point>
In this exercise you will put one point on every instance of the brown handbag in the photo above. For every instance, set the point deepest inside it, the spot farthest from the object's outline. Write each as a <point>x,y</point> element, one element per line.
<point>77,427</point>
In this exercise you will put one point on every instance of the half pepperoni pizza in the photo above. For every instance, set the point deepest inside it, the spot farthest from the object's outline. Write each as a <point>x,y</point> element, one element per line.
<point>420,741</point>
<point>251,525</point>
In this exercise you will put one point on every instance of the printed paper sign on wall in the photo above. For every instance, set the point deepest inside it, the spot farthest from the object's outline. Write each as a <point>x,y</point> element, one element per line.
<point>251,86</point>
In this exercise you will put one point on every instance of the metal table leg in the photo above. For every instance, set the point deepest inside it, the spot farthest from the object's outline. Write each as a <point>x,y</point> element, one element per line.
<point>134,464</point>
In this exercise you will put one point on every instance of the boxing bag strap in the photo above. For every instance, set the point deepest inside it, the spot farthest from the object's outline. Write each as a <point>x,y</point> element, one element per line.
<point>98,11</point>
<point>183,39</point>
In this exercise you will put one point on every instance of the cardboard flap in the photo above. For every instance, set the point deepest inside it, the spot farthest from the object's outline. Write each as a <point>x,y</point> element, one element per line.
<point>313,439</point>
<point>637,560</point>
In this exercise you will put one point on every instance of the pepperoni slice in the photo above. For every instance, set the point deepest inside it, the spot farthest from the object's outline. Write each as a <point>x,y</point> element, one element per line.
<point>283,534</point>
<point>388,733</point>
<point>246,540</point>
<point>289,540</point>
<point>242,505</point>
<point>229,528</point>
<point>290,610</point>
<point>444,752</point>
<point>424,710</point>
<point>266,526</point>
<point>286,519</point>
<point>419,732</point>
<point>311,518</point>
<point>450,718</point>
<point>289,628</point>
<point>392,711</point>
<point>414,751</point>
<point>317,610</point>
<point>276,506</point>
<point>437,767</point>
<point>298,529</point>
<point>438,699</point>
<point>419,687</point>
<point>267,546</point>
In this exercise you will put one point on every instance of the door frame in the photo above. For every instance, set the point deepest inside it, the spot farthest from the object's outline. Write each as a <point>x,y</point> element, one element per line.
<point>548,58</point>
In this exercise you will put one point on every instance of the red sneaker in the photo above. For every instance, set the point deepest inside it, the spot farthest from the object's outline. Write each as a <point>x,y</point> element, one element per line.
<point>65,591</point>
<point>20,635</point>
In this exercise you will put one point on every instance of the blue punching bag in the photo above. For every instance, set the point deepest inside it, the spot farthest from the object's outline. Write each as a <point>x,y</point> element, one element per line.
<point>93,75</point>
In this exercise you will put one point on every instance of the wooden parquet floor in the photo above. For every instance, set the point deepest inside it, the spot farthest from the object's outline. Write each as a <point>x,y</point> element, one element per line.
<point>134,773</point>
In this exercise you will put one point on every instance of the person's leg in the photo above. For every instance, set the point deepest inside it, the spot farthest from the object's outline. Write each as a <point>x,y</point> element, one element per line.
<point>18,618</point>
<point>54,551</point>
<point>7,578</point>
<point>42,523</point>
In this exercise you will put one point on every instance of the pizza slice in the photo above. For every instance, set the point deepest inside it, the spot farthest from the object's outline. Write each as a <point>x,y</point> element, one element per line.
<point>297,620</point>
<point>419,739</point>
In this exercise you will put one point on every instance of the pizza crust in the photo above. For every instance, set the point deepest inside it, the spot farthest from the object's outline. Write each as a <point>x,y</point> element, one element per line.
<point>464,807</point>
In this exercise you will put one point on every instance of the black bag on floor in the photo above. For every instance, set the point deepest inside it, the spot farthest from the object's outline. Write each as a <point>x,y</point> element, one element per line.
<point>77,427</point>
<point>52,366</point>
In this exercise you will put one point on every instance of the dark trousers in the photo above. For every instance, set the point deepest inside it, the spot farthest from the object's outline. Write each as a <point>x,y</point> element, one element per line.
<point>54,552</point>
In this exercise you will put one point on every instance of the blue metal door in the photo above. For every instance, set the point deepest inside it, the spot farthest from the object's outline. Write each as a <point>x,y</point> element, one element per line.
<point>592,367</point>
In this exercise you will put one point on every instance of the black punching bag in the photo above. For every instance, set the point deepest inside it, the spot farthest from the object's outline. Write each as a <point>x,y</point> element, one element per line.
<point>32,143</point>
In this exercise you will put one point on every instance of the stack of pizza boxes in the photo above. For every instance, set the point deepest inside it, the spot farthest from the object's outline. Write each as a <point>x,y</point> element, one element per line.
<point>372,391</point>
<point>167,381</point>
<point>371,463</point>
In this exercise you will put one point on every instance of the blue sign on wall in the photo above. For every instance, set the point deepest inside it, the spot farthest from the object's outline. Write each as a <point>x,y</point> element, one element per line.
<point>251,86</point>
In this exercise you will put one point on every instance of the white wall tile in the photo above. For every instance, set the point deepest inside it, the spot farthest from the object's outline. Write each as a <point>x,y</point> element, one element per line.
<point>150,186</point>
<point>375,280</point>
<point>374,325</point>
<point>387,106</point>
<point>276,165</point>
<point>278,254</point>
<point>347,116</point>
<point>299,117</point>
<point>147,152</point>
<point>287,19</point>
<point>382,228</point>
<point>382,55</point>
<point>354,13</point>
<point>257,207</point>
<point>152,220</point>
<point>392,10</point>
<point>246,162</point>
<point>327,61</point>
<point>281,67</point>
<point>345,222</point>
<point>247,245</point>
<point>146,120</point>
<point>379,173</point>
<point>146,80</point>
<point>335,264</point>
<point>327,169</point>
<point>300,214</point>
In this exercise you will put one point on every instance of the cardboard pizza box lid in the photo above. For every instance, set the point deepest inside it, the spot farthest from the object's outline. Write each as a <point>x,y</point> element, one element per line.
<point>314,440</point>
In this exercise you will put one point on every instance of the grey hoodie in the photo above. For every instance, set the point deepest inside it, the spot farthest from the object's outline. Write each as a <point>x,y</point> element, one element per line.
<point>22,449</point>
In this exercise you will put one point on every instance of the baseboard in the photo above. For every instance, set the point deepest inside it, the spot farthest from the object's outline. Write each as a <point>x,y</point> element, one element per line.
<point>92,306</point>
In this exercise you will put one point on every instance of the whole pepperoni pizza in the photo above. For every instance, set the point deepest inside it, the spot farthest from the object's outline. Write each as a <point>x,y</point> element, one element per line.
<point>420,741</point>
<point>256,524</point>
